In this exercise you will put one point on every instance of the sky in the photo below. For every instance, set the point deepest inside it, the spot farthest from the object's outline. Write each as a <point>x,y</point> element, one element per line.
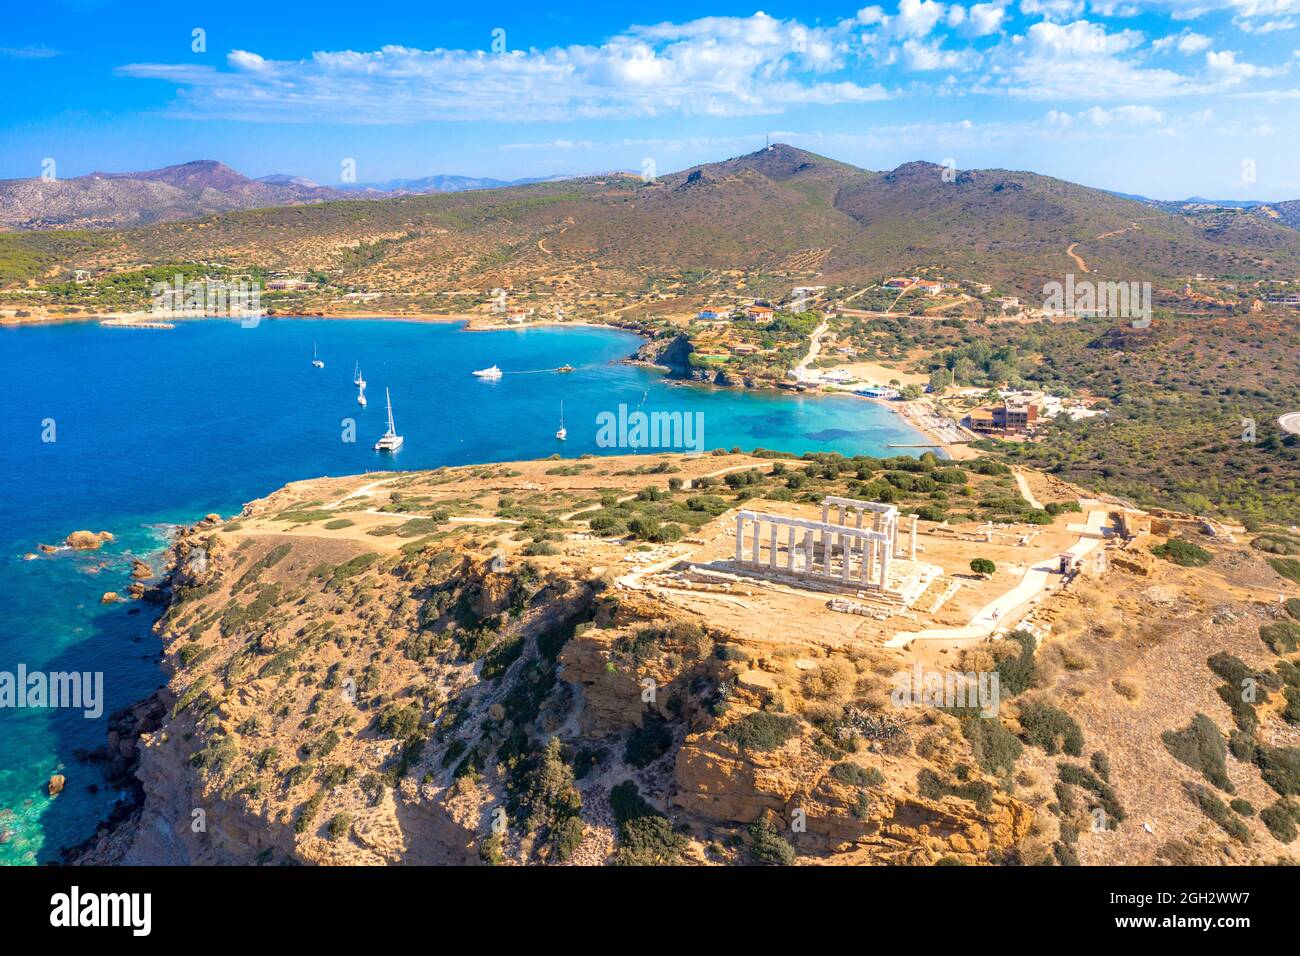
<point>1164,98</point>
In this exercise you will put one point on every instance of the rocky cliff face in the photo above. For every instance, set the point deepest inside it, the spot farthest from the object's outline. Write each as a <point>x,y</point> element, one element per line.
<point>440,701</point>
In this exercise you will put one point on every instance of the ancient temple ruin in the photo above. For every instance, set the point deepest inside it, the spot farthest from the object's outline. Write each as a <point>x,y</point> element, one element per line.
<point>855,547</point>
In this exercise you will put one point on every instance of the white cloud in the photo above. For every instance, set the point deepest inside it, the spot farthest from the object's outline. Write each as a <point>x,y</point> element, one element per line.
<point>1186,42</point>
<point>984,18</point>
<point>929,56</point>
<point>1224,64</point>
<point>1123,115</point>
<point>1052,9</point>
<point>711,66</point>
<point>915,18</point>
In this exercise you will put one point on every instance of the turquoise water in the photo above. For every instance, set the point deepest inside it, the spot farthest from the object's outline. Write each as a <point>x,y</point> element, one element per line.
<point>155,428</point>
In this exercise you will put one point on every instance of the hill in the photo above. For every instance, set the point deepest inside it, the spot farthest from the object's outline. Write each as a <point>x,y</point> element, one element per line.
<point>778,215</point>
<point>356,674</point>
<point>173,193</point>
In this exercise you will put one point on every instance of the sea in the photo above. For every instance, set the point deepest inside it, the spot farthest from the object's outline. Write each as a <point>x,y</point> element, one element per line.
<point>136,431</point>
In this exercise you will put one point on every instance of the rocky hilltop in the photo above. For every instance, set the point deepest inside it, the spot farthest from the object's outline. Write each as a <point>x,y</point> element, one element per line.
<point>533,663</point>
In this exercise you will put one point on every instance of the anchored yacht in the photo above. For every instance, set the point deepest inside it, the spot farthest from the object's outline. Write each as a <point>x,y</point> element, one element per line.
<point>391,440</point>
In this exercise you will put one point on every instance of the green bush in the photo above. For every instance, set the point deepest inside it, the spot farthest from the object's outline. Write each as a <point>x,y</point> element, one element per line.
<point>1051,729</point>
<point>649,742</point>
<point>768,847</point>
<point>1183,553</point>
<point>646,838</point>
<point>1106,797</point>
<point>1016,673</point>
<point>761,731</point>
<point>1201,747</point>
<point>1289,568</point>
<point>1280,768</point>
<point>399,720</point>
<point>1282,637</point>
<point>983,566</point>
<point>854,775</point>
<point>1218,811</point>
<point>1282,819</point>
<point>339,825</point>
<point>995,748</point>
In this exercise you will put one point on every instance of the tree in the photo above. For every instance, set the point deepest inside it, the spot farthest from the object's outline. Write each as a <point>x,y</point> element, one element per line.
<point>983,566</point>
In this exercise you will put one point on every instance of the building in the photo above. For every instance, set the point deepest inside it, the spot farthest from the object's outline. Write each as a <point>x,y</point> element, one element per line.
<point>713,315</point>
<point>1009,302</point>
<point>1017,414</point>
<point>761,313</point>
<point>900,282</point>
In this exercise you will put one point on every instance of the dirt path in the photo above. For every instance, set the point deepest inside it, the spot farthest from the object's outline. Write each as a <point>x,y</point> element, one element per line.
<point>1078,259</point>
<point>1026,493</point>
<point>814,349</point>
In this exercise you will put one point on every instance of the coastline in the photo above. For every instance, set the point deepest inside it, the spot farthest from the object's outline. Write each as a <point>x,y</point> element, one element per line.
<point>480,323</point>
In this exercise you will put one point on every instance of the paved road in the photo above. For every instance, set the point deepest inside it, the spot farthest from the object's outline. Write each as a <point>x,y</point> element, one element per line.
<point>1001,612</point>
<point>1290,423</point>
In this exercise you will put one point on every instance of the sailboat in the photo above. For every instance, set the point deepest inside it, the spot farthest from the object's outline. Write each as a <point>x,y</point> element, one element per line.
<point>391,440</point>
<point>314,359</point>
<point>563,433</point>
<point>360,383</point>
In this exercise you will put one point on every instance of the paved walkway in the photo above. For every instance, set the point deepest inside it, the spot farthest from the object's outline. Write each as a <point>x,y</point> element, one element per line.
<point>1290,423</point>
<point>1000,612</point>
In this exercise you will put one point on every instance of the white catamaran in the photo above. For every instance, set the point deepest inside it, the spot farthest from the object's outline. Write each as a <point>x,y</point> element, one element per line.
<point>391,440</point>
<point>315,360</point>
<point>360,383</point>
<point>563,433</point>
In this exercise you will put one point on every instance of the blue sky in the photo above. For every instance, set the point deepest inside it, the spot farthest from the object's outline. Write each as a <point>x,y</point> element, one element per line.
<point>1168,98</point>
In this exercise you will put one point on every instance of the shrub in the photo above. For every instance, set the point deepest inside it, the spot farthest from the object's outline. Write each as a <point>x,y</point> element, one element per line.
<point>1085,779</point>
<point>1282,819</point>
<point>646,838</point>
<point>769,848</point>
<point>1051,729</point>
<point>933,787</point>
<point>339,825</point>
<point>854,775</point>
<point>1183,553</point>
<point>1243,807</point>
<point>1016,673</point>
<point>399,720</point>
<point>1201,747</point>
<point>995,748</point>
<point>761,731</point>
<point>1282,637</point>
<point>983,566</point>
<point>1289,568</point>
<point>649,742</point>
<point>1218,811</point>
<point>1280,768</point>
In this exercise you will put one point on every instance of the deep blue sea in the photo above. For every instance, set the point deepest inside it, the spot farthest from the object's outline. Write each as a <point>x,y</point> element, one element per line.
<point>157,428</point>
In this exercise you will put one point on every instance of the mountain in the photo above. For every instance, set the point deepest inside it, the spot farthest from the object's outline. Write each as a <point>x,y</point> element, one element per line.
<point>113,200</point>
<point>101,200</point>
<point>444,184</point>
<point>781,214</point>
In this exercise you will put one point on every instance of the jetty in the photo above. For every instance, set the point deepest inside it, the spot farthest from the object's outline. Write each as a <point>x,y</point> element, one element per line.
<point>136,324</point>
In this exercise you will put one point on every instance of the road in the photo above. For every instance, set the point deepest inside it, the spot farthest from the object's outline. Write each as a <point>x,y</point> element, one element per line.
<point>1290,423</point>
<point>814,349</point>
<point>1000,612</point>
